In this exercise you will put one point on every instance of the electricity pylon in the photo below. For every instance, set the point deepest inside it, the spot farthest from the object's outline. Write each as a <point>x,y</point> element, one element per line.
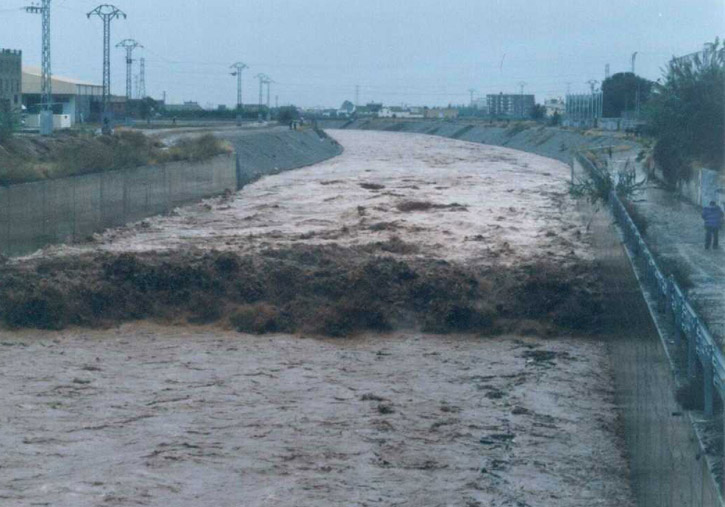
<point>142,79</point>
<point>46,81</point>
<point>471,91</point>
<point>129,45</point>
<point>262,80</point>
<point>522,84</point>
<point>107,13</point>
<point>238,68</point>
<point>269,111</point>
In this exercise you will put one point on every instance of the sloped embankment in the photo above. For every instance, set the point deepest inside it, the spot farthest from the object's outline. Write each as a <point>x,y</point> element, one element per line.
<point>551,142</point>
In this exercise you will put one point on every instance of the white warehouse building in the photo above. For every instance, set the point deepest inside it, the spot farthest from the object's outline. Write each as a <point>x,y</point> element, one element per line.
<point>76,99</point>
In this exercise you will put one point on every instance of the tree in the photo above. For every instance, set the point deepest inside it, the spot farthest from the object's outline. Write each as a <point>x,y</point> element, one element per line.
<point>348,107</point>
<point>287,114</point>
<point>538,112</point>
<point>620,93</point>
<point>686,114</point>
<point>147,107</point>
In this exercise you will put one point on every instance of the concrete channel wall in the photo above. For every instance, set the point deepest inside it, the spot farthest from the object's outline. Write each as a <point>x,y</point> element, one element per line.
<point>36,214</point>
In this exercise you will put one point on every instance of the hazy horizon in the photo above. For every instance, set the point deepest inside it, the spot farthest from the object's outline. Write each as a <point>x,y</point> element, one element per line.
<point>410,52</point>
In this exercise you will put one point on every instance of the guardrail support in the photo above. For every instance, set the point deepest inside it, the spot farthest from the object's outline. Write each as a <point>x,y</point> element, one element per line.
<point>691,357</point>
<point>707,380</point>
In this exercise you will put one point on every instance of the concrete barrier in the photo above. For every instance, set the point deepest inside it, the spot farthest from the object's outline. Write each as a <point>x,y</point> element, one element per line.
<point>36,214</point>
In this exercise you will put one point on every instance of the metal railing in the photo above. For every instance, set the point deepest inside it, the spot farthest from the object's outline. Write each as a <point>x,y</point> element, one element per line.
<point>690,330</point>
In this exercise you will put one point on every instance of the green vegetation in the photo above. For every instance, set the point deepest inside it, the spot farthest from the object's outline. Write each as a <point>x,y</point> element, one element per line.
<point>622,92</point>
<point>686,114</point>
<point>27,159</point>
<point>599,182</point>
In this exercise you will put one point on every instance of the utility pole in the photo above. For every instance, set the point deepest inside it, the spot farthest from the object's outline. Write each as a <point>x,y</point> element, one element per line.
<point>107,13</point>
<point>142,79</point>
<point>129,45</point>
<point>606,71</point>
<point>522,84</point>
<point>634,59</point>
<point>357,95</point>
<point>46,82</point>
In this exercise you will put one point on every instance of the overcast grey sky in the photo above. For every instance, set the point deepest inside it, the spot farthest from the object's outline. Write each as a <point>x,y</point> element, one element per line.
<point>418,52</point>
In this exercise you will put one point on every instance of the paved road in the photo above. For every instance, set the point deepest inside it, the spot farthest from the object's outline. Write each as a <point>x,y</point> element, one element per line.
<point>676,234</point>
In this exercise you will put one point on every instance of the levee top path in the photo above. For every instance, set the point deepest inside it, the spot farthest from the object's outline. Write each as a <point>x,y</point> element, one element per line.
<point>676,233</point>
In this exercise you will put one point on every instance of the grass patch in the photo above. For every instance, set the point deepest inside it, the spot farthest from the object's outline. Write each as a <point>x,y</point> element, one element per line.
<point>25,159</point>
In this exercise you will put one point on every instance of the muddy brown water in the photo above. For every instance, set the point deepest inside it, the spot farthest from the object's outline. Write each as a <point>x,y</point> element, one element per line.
<point>149,414</point>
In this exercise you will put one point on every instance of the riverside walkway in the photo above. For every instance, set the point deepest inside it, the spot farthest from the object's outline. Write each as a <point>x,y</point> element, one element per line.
<point>676,235</point>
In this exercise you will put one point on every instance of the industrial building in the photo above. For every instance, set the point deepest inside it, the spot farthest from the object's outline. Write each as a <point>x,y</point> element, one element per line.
<point>81,101</point>
<point>510,105</point>
<point>10,78</point>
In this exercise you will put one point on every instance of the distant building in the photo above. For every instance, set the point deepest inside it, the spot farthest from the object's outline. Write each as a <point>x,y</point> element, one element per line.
<point>554,106</point>
<point>11,77</point>
<point>401,112</point>
<point>79,100</point>
<point>442,113</point>
<point>374,107</point>
<point>189,105</point>
<point>510,105</point>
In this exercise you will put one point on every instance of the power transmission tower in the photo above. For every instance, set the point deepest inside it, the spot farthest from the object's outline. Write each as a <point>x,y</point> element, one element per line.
<point>357,95</point>
<point>142,79</point>
<point>239,67</point>
<point>606,71</point>
<point>471,91</point>
<point>522,84</point>
<point>46,83</point>
<point>129,45</point>
<point>107,13</point>
<point>135,86</point>
<point>269,110</point>
<point>262,80</point>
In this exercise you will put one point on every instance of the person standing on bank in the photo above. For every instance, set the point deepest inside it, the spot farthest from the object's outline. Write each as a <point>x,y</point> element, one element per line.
<point>713,216</point>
